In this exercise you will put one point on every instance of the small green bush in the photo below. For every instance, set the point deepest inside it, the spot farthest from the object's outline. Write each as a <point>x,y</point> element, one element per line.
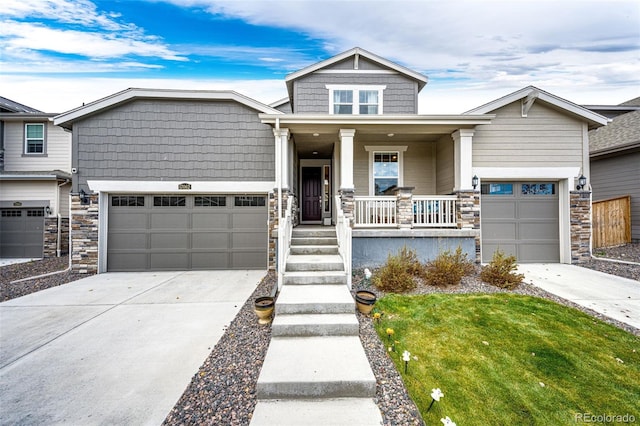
<point>448,269</point>
<point>499,271</point>
<point>396,275</point>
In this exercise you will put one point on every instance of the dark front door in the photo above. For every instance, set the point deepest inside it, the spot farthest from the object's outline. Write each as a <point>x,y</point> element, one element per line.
<point>311,194</point>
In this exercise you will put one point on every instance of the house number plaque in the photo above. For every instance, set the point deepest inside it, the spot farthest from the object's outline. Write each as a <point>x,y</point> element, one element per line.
<point>184,186</point>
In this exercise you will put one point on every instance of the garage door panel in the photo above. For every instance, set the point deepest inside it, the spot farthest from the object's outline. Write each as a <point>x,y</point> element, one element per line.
<point>131,240</point>
<point>128,261</point>
<point>538,209</point>
<point>210,260</point>
<point>169,261</point>
<point>249,240</point>
<point>169,240</point>
<point>244,260</point>
<point>498,209</point>
<point>539,252</point>
<point>499,230</point>
<point>128,220</point>
<point>22,233</point>
<point>211,220</point>
<point>204,240</point>
<point>538,231</point>
<point>488,249</point>
<point>169,221</point>
<point>249,220</point>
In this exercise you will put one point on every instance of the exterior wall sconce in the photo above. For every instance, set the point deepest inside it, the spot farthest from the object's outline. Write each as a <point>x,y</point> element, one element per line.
<point>84,198</point>
<point>582,182</point>
<point>47,211</point>
<point>474,181</point>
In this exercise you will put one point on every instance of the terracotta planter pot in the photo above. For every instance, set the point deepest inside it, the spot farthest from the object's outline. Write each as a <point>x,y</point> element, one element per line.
<point>365,300</point>
<point>263,307</point>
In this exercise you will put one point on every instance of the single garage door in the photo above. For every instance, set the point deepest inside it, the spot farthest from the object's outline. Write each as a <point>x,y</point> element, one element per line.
<point>521,218</point>
<point>21,233</point>
<point>185,232</point>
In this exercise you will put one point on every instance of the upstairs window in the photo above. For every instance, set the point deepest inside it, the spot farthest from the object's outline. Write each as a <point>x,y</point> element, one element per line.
<point>355,100</point>
<point>34,138</point>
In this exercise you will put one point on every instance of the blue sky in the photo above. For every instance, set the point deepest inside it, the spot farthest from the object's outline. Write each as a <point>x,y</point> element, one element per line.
<point>57,54</point>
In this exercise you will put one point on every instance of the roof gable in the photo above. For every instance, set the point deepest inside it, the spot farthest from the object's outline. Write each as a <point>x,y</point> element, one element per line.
<point>7,105</point>
<point>340,61</point>
<point>531,94</point>
<point>66,119</point>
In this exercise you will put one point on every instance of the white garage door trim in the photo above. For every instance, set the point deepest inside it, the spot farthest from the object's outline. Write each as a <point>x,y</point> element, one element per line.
<point>565,177</point>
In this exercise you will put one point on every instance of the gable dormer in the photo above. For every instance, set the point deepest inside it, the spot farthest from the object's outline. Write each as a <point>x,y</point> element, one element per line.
<point>355,82</point>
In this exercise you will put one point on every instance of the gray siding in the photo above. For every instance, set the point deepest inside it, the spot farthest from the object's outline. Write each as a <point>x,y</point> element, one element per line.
<point>617,176</point>
<point>445,181</point>
<point>174,140</point>
<point>312,97</point>
<point>546,138</point>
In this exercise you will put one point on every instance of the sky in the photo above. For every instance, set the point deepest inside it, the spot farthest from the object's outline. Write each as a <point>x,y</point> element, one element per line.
<point>56,55</point>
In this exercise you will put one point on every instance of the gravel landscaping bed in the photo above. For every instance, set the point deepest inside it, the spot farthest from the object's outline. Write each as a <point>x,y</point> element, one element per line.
<point>19,271</point>
<point>222,391</point>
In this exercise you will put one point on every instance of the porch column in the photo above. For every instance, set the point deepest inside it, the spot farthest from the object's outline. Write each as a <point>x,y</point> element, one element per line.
<point>404,207</point>
<point>347,189</point>
<point>463,158</point>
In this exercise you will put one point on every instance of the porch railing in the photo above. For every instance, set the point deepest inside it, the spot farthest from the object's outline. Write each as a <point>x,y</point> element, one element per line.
<point>375,212</point>
<point>437,211</point>
<point>343,234</point>
<point>285,228</point>
<point>434,211</point>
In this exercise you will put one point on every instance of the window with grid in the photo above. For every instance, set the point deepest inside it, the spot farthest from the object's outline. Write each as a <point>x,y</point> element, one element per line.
<point>169,201</point>
<point>386,171</point>
<point>34,138</point>
<point>249,201</point>
<point>356,100</point>
<point>368,101</point>
<point>127,201</point>
<point>343,102</point>
<point>212,201</point>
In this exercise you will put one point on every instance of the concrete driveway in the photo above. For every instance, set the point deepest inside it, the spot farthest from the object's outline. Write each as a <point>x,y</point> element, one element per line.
<point>116,348</point>
<point>615,297</point>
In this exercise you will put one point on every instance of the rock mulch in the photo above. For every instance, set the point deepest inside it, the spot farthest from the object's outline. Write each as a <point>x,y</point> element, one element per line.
<point>9,289</point>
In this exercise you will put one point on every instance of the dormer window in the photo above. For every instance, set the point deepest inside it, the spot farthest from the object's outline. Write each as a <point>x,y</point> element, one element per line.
<point>356,100</point>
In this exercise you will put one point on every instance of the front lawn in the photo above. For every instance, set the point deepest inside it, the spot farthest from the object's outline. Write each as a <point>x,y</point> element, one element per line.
<point>506,359</point>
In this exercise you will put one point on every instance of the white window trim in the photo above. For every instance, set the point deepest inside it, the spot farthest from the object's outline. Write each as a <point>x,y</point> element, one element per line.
<point>356,96</point>
<point>44,139</point>
<point>373,149</point>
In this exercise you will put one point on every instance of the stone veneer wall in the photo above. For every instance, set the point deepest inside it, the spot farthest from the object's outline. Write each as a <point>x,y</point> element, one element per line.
<point>468,214</point>
<point>273,224</point>
<point>51,237</point>
<point>348,203</point>
<point>580,219</point>
<point>84,235</point>
<point>404,207</point>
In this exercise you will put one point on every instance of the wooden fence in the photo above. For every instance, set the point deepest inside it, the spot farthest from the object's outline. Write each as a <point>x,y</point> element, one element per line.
<point>612,222</point>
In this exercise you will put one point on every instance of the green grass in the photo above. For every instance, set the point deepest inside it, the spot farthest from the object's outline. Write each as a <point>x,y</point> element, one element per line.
<point>489,355</point>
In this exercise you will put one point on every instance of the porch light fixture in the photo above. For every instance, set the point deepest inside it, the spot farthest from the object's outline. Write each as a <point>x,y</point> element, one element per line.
<point>391,135</point>
<point>84,198</point>
<point>474,181</point>
<point>316,134</point>
<point>47,211</point>
<point>582,182</point>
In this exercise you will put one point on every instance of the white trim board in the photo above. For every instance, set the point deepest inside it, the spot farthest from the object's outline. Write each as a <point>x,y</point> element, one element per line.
<point>217,187</point>
<point>526,172</point>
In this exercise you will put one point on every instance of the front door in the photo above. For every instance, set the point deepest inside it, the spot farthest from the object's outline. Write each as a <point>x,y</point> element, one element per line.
<point>311,194</point>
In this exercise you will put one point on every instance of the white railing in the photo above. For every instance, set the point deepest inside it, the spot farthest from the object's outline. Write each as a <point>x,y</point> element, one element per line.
<point>285,228</point>
<point>343,234</point>
<point>434,211</point>
<point>375,212</point>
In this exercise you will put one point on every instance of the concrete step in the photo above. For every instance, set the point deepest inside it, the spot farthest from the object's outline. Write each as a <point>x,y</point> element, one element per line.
<point>315,325</point>
<point>314,241</point>
<point>314,262</point>
<point>315,367</point>
<point>315,277</point>
<point>315,299</point>
<point>314,249</point>
<point>326,412</point>
<point>314,232</point>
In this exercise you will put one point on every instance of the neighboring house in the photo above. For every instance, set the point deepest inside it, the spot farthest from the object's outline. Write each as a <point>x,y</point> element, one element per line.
<point>35,180</point>
<point>615,157</point>
<point>197,180</point>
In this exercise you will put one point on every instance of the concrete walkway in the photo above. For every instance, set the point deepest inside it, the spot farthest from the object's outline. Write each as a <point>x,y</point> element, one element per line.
<point>116,348</point>
<point>615,297</point>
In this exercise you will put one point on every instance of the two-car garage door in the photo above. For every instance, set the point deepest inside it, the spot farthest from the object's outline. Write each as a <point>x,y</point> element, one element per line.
<point>521,219</point>
<point>185,232</point>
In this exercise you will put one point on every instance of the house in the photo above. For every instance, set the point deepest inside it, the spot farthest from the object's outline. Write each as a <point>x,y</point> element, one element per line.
<point>615,157</point>
<point>35,180</point>
<point>199,179</point>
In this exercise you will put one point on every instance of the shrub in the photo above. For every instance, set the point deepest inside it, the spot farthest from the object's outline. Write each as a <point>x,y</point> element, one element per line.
<point>396,275</point>
<point>499,271</point>
<point>448,269</point>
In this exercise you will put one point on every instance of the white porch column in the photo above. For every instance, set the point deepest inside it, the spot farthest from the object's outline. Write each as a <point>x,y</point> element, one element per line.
<point>346,158</point>
<point>463,158</point>
<point>284,157</point>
